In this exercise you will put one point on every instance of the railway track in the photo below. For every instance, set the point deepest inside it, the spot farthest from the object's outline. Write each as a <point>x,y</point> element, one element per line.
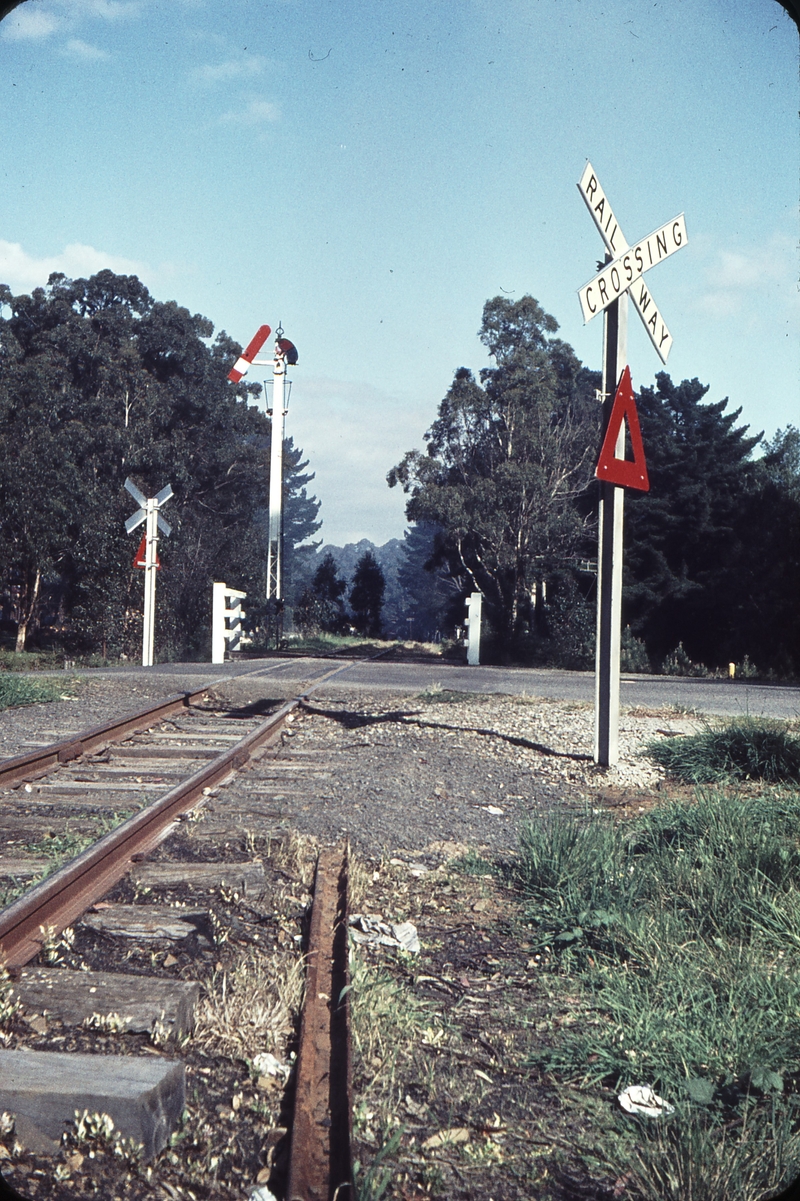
<point>124,796</point>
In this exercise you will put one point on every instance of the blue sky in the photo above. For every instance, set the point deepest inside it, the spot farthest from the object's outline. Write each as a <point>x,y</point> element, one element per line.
<point>371,173</point>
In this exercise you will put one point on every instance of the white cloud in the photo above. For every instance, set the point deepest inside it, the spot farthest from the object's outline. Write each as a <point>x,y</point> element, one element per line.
<point>21,271</point>
<point>31,23</point>
<point>235,68</point>
<point>28,24</point>
<point>77,48</point>
<point>737,278</point>
<point>255,112</point>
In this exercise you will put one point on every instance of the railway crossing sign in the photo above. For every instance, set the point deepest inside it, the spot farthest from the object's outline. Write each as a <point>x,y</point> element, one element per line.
<point>140,558</point>
<point>148,547</point>
<point>627,264</point>
<point>621,277</point>
<point>614,470</point>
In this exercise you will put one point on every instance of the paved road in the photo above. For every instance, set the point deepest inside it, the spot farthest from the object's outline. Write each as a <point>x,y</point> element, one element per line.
<point>725,697</point>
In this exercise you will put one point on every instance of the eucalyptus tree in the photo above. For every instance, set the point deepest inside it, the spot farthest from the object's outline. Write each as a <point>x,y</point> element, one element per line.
<point>507,459</point>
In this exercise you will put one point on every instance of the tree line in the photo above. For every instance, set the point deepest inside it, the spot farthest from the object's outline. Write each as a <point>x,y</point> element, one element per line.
<point>98,382</point>
<point>321,606</point>
<point>504,500</point>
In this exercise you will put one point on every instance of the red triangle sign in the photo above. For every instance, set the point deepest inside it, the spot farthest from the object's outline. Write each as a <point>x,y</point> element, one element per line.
<point>624,472</point>
<point>140,558</point>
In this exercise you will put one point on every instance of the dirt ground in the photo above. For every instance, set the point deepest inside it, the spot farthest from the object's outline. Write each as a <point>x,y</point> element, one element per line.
<point>447,1103</point>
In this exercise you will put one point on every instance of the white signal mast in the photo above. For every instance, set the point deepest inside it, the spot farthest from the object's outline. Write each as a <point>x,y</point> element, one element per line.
<point>284,355</point>
<point>278,413</point>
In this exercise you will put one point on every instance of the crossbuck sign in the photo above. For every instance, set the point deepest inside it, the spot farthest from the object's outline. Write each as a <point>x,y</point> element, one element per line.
<point>629,263</point>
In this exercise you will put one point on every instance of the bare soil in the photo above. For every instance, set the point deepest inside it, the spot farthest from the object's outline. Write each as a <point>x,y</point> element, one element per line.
<point>417,784</point>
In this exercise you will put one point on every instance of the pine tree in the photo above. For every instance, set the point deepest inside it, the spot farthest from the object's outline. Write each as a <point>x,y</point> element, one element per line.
<point>366,596</point>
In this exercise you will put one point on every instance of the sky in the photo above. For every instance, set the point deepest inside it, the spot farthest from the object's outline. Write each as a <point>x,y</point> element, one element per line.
<point>369,174</point>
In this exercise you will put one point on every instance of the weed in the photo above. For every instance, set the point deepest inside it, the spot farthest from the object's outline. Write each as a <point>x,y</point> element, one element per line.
<point>22,690</point>
<point>434,694</point>
<point>473,864</point>
<point>251,1009</point>
<point>372,1184</point>
<point>694,1156</point>
<point>744,749</point>
<point>633,653</point>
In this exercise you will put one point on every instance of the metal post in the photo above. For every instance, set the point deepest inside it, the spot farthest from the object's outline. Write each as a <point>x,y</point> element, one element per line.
<point>151,554</point>
<point>609,555</point>
<point>274,550</point>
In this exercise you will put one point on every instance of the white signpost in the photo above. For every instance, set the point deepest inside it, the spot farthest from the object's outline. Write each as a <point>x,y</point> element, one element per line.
<point>226,624</point>
<point>474,607</point>
<point>149,512</point>
<point>620,277</point>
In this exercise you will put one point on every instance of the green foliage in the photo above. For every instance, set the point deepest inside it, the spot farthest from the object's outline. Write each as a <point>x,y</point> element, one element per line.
<point>633,653</point>
<point>506,461</point>
<point>22,690</point>
<point>366,596</point>
<point>679,936</point>
<point>321,605</point>
<point>678,663</point>
<point>745,749</point>
<point>434,600</point>
<point>682,537</point>
<point>98,382</point>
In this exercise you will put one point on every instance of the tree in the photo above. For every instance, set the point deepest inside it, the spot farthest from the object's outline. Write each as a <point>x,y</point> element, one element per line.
<point>366,596</point>
<point>321,605</point>
<point>300,522</point>
<point>99,381</point>
<point>682,537</point>
<point>430,593</point>
<point>506,462</point>
<point>762,582</point>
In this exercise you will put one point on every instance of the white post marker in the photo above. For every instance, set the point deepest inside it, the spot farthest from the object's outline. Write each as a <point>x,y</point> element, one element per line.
<point>226,623</point>
<point>149,512</point>
<point>608,292</point>
<point>474,606</point>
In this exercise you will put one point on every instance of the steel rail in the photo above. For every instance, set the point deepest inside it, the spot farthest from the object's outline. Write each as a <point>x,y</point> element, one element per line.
<point>320,1165</point>
<point>58,901</point>
<point>37,763</point>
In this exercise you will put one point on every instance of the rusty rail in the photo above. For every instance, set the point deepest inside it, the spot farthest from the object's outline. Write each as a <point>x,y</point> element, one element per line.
<point>60,899</point>
<point>36,763</point>
<point>320,1167</point>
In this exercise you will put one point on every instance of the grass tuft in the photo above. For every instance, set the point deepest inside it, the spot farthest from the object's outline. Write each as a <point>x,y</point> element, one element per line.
<point>23,690</point>
<point>745,749</point>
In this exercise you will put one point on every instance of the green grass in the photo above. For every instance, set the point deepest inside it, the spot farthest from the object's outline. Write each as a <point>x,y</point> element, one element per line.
<point>745,749</point>
<point>680,935</point>
<point>24,690</point>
